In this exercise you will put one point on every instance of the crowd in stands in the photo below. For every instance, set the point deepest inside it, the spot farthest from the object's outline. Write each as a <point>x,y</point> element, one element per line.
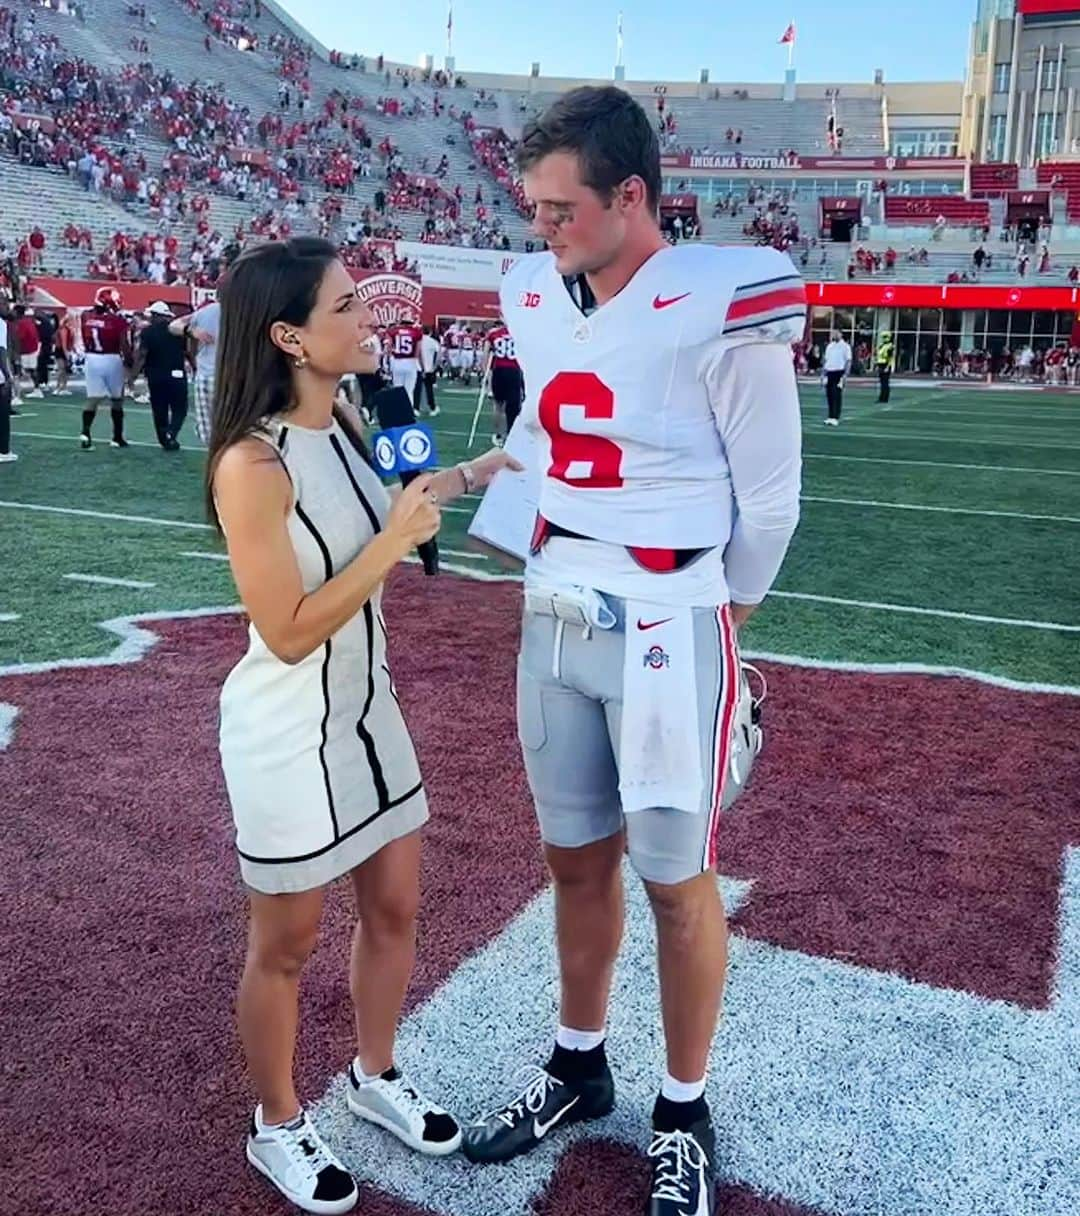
<point>63,112</point>
<point>773,222</point>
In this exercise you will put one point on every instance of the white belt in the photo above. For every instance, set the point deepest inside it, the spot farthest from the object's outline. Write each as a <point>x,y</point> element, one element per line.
<point>570,604</point>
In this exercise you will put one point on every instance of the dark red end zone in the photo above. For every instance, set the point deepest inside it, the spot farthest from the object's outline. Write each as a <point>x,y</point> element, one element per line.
<point>901,823</point>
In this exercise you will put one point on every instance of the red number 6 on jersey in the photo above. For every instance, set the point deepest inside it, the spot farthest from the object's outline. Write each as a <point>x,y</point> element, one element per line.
<point>583,391</point>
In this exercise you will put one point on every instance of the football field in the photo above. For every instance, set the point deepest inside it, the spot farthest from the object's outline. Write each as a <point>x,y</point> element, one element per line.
<point>942,529</point>
<point>901,1030</point>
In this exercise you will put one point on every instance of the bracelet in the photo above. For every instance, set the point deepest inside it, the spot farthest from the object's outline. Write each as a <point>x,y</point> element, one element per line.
<point>467,476</point>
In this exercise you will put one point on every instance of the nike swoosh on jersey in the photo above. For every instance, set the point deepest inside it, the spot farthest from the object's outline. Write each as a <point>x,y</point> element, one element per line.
<point>658,303</point>
<point>643,625</point>
<point>540,1130</point>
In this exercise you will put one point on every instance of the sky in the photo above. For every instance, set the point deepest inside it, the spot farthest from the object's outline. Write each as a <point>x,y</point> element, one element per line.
<point>838,40</point>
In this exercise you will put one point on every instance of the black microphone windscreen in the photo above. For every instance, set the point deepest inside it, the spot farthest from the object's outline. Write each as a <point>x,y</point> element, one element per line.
<point>393,407</point>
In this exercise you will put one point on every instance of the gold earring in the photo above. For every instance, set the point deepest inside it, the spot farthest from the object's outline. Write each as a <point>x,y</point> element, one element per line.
<point>301,362</point>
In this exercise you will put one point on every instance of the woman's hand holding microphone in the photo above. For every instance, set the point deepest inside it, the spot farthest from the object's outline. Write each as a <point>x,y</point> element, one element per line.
<point>415,516</point>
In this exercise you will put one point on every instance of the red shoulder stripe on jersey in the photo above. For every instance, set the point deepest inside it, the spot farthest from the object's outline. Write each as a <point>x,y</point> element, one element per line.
<point>786,297</point>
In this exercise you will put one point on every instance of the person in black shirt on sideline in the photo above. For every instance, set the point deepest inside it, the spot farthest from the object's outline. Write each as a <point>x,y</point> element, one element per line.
<point>161,355</point>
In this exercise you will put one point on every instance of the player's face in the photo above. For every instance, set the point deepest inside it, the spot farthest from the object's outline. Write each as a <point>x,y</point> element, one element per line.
<point>337,332</point>
<point>582,229</point>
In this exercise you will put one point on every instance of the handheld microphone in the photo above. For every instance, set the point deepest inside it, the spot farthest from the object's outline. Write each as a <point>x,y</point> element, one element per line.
<point>396,415</point>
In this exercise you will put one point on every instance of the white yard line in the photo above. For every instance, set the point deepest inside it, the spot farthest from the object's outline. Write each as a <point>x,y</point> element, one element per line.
<point>905,408</point>
<point>911,506</point>
<point>208,557</point>
<point>836,432</point>
<point>943,464</point>
<point>7,617</point>
<point>99,441</point>
<point>915,610</point>
<point>99,580</point>
<point>127,519</point>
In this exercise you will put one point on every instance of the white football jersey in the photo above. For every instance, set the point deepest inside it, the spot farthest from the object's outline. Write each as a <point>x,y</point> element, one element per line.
<point>625,406</point>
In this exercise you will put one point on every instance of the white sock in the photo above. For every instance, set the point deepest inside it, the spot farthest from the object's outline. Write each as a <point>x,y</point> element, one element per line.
<point>363,1078</point>
<point>681,1091</point>
<point>263,1126</point>
<point>579,1040</point>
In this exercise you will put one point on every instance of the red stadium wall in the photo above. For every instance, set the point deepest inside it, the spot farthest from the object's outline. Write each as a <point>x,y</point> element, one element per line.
<point>1032,8</point>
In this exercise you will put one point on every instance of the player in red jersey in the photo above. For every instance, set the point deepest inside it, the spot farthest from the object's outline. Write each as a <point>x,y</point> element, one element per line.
<point>507,386</point>
<point>107,342</point>
<point>405,356</point>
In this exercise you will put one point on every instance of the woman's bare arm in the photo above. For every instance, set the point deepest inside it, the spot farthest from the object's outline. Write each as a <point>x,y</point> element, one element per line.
<point>254,496</point>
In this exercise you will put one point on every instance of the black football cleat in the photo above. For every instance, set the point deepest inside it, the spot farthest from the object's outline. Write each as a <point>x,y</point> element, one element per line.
<point>544,1104</point>
<point>684,1178</point>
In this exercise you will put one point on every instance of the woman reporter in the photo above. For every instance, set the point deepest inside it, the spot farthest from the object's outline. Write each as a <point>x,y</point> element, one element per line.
<point>320,769</point>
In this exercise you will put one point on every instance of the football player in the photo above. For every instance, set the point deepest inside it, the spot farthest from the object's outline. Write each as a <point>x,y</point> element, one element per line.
<point>405,356</point>
<point>507,386</point>
<point>664,411</point>
<point>107,341</point>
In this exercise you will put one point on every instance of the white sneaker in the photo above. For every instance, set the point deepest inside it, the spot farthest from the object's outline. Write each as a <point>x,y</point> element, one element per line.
<point>62,392</point>
<point>832,421</point>
<point>297,1161</point>
<point>8,458</point>
<point>35,392</point>
<point>391,1102</point>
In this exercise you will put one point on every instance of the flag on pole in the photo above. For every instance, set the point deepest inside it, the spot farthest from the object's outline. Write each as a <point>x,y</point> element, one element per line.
<point>788,34</point>
<point>618,39</point>
<point>449,26</point>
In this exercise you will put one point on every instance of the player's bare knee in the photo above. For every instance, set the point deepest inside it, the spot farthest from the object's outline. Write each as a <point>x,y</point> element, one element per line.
<point>589,870</point>
<point>683,909</point>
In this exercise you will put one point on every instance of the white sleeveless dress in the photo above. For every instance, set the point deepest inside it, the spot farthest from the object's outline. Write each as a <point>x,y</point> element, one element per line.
<point>319,766</point>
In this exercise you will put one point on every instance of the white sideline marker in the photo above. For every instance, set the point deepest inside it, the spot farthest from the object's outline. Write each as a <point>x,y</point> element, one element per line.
<point>127,519</point>
<point>913,610</point>
<point>100,580</point>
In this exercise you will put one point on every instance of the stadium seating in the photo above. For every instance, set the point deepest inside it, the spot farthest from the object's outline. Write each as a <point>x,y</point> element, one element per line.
<point>957,210</point>
<point>176,39</point>
<point>993,181</point>
<point>767,124</point>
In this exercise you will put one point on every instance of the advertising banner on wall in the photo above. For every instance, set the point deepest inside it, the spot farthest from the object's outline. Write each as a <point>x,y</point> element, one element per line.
<point>737,161</point>
<point>453,266</point>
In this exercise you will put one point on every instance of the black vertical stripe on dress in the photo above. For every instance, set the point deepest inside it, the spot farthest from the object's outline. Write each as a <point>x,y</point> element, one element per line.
<point>373,519</point>
<point>377,776</point>
<point>365,736</point>
<point>329,568</point>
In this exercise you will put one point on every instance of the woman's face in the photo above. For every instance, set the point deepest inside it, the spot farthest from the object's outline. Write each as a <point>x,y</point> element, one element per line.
<point>335,338</point>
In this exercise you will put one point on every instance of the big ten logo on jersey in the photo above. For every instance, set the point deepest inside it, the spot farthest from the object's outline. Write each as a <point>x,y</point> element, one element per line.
<point>529,299</point>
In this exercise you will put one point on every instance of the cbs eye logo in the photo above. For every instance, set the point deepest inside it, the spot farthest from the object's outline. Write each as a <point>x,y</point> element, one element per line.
<point>385,456</point>
<point>415,446</point>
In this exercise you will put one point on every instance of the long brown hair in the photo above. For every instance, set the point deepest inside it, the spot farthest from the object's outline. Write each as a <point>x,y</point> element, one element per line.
<point>277,281</point>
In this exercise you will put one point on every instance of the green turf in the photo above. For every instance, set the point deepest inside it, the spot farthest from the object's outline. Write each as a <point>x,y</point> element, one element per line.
<point>977,564</point>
